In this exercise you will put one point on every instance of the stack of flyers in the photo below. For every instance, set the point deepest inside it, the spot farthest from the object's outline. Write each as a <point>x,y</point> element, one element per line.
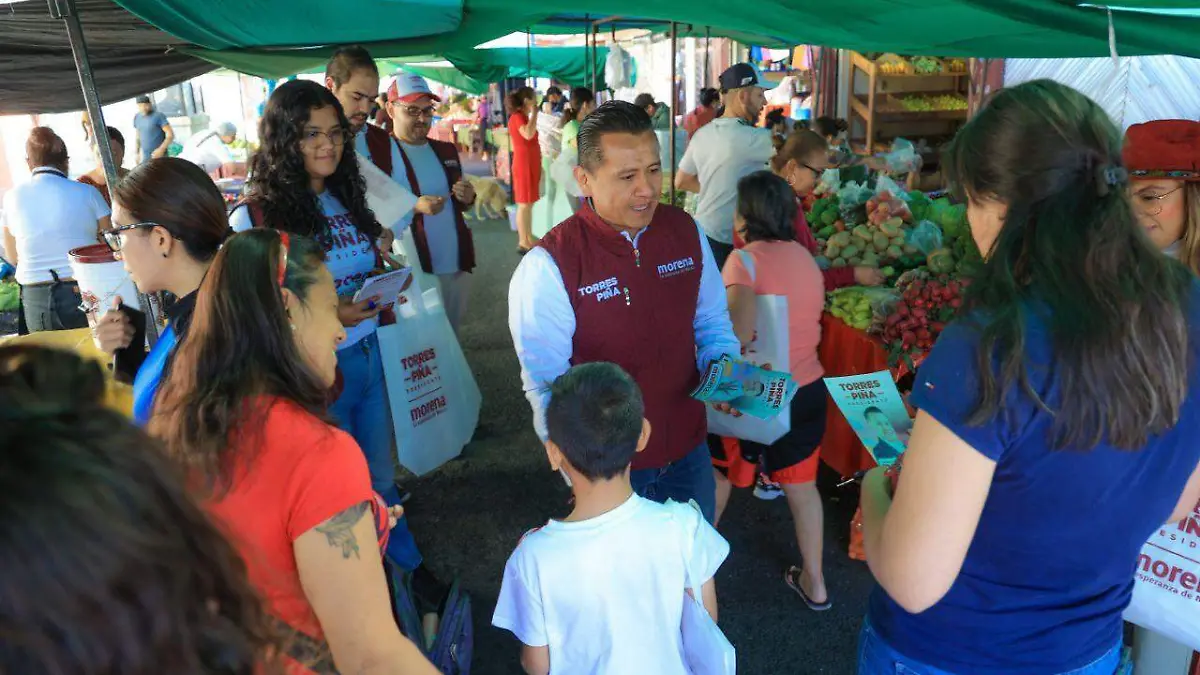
<point>749,389</point>
<point>873,407</point>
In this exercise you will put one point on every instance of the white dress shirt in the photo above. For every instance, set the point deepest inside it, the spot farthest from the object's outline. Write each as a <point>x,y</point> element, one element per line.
<point>542,323</point>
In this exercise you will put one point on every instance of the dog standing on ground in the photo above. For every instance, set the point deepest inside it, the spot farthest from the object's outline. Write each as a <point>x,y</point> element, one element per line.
<point>491,201</point>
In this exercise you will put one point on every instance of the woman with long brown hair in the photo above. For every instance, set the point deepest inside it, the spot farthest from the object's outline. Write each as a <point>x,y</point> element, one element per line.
<point>243,410</point>
<point>1163,159</point>
<point>1059,420</point>
<point>168,223</point>
<point>109,566</point>
<point>526,161</point>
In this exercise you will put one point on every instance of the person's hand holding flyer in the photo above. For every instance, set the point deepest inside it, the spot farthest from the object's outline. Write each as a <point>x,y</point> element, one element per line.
<point>746,388</point>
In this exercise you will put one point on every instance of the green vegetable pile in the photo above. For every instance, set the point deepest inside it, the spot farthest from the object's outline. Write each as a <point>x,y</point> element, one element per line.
<point>10,296</point>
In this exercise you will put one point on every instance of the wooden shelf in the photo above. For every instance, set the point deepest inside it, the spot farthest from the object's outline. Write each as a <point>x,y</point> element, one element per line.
<point>872,99</point>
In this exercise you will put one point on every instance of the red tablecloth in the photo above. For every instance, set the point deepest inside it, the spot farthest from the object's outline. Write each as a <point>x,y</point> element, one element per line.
<point>846,351</point>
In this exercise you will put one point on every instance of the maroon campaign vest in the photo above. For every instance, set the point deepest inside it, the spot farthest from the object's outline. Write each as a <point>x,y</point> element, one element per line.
<point>379,144</point>
<point>637,310</point>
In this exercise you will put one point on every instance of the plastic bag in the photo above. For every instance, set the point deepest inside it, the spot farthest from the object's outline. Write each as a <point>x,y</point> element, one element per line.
<point>831,182</point>
<point>852,198</point>
<point>903,157</point>
<point>433,395</point>
<point>618,68</point>
<point>1163,599</point>
<point>926,237</point>
<point>562,171</point>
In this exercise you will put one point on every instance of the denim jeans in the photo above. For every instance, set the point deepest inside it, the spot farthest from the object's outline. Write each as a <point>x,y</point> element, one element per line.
<point>876,657</point>
<point>683,480</point>
<point>53,306</point>
<point>362,411</point>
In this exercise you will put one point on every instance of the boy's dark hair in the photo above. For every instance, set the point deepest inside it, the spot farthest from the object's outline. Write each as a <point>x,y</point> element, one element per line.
<point>709,97</point>
<point>346,60</point>
<point>830,127</point>
<point>614,117</point>
<point>595,419</point>
<point>768,205</point>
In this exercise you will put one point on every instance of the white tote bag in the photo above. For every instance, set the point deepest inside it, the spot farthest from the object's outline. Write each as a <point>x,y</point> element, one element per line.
<point>1166,588</point>
<point>433,395</point>
<point>769,347</point>
<point>706,650</point>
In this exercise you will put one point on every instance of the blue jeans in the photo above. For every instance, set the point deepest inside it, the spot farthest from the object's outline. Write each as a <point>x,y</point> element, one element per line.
<point>876,657</point>
<point>362,411</point>
<point>683,480</point>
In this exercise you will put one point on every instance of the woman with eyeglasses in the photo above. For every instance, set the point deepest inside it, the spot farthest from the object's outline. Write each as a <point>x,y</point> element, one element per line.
<point>168,223</point>
<point>800,160</point>
<point>304,180</point>
<point>243,411</point>
<point>1163,160</point>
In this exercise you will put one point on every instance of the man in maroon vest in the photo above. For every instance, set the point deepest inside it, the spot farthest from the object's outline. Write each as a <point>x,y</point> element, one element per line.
<point>634,282</point>
<point>432,171</point>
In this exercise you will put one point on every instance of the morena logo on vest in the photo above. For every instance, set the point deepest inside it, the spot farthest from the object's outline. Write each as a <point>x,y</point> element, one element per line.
<point>675,268</point>
<point>602,290</point>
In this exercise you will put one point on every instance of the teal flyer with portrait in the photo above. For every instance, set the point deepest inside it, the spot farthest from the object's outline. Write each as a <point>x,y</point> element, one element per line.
<point>873,407</point>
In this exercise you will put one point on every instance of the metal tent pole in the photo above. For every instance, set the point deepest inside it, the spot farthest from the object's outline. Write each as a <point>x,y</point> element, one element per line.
<point>674,101</point>
<point>587,54</point>
<point>528,56</point>
<point>707,55</point>
<point>595,50</point>
<point>65,10</point>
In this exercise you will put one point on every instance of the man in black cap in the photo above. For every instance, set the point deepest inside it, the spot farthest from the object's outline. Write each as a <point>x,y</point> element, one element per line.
<point>154,133</point>
<point>725,150</point>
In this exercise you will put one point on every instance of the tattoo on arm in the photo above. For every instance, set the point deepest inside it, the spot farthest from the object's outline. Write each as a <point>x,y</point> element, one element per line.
<point>339,530</point>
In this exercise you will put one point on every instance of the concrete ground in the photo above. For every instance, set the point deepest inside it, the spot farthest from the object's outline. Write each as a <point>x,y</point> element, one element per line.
<point>468,516</point>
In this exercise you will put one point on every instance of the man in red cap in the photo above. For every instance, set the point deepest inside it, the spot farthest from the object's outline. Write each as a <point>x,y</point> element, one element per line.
<point>431,170</point>
<point>1163,161</point>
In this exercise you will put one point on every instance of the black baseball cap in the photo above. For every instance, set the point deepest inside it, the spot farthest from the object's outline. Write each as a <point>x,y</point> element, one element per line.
<point>142,99</point>
<point>741,75</point>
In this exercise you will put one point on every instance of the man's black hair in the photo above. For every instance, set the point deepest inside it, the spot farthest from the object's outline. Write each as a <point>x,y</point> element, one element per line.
<point>595,419</point>
<point>644,101</point>
<point>346,60</point>
<point>768,206</point>
<point>709,97</point>
<point>553,91</point>
<point>614,117</point>
<point>872,411</point>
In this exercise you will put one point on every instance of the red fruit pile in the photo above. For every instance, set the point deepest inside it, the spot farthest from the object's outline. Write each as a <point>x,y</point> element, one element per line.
<point>925,306</point>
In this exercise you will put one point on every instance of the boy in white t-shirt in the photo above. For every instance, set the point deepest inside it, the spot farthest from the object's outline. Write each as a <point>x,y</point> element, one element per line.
<point>602,590</point>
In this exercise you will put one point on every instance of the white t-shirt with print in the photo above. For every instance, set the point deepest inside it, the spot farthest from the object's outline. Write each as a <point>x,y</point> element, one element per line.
<point>606,594</point>
<point>49,216</point>
<point>720,154</point>
<point>350,259</point>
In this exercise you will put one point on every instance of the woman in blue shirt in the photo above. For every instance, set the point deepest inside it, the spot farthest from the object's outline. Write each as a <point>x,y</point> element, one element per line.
<point>1059,421</point>
<point>168,223</point>
<point>305,180</point>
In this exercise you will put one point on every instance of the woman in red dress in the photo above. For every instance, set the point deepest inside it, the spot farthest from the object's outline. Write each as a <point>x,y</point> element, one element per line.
<point>526,162</point>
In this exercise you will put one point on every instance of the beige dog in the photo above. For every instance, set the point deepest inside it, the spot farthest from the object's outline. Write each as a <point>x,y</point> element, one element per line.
<point>491,201</point>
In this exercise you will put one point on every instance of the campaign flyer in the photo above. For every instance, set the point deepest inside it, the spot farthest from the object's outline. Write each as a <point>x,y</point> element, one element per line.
<point>873,407</point>
<point>748,388</point>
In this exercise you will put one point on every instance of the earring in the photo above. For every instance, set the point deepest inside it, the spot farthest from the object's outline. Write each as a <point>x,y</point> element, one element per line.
<point>293,327</point>
<point>164,255</point>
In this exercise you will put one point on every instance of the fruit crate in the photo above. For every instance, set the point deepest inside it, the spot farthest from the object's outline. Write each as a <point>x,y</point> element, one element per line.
<point>874,100</point>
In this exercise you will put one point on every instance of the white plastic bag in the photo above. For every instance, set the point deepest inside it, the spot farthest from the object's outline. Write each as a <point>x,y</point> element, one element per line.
<point>1166,588</point>
<point>706,650</point>
<point>433,395</point>
<point>562,171</point>
<point>768,349</point>
<point>618,68</point>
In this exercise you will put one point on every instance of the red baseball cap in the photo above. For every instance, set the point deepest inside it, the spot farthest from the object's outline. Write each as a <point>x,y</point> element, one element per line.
<point>1161,149</point>
<point>409,88</point>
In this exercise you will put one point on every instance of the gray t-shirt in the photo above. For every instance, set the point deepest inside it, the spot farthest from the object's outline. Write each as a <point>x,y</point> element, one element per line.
<point>150,131</point>
<point>720,154</point>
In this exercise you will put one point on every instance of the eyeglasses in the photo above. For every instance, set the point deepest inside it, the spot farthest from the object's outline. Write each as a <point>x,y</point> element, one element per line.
<point>312,136</point>
<point>816,172</point>
<point>112,237</point>
<point>415,111</point>
<point>1152,205</point>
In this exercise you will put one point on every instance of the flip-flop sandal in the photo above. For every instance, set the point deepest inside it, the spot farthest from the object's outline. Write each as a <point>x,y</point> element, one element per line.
<point>792,578</point>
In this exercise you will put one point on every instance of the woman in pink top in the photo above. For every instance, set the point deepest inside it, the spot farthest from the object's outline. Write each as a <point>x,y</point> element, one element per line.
<point>800,160</point>
<point>773,263</point>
